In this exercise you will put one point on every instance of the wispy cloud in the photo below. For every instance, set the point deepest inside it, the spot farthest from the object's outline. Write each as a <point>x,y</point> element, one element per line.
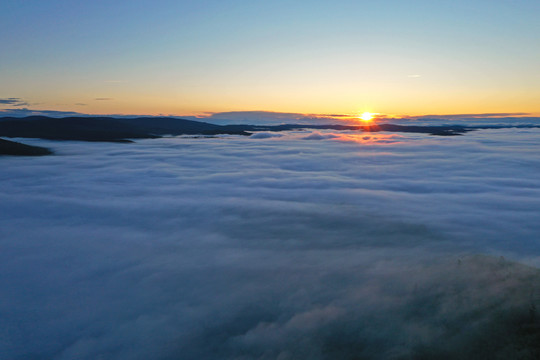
<point>13,101</point>
<point>30,112</point>
<point>103,99</point>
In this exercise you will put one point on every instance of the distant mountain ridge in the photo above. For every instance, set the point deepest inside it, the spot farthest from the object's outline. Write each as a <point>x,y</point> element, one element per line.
<point>104,128</point>
<point>123,129</point>
<point>111,129</point>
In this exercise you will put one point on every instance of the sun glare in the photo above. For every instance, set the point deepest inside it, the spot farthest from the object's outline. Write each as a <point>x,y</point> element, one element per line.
<point>367,116</point>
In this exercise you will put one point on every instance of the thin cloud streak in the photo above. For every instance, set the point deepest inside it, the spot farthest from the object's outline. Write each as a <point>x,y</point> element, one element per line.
<point>13,101</point>
<point>31,112</point>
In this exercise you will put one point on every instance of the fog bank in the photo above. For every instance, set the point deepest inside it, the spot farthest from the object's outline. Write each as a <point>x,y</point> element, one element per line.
<point>308,245</point>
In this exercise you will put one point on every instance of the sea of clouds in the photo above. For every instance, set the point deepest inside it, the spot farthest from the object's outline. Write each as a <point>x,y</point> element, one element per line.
<point>293,245</point>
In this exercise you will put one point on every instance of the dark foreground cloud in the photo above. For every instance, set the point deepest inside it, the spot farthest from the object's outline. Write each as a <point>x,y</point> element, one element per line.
<point>349,246</point>
<point>444,313</point>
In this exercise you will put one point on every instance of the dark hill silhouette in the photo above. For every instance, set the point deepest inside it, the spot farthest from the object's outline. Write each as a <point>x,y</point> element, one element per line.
<point>8,147</point>
<point>433,130</point>
<point>105,128</point>
<point>70,128</point>
<point>172,126</point>
<point>123,129</point>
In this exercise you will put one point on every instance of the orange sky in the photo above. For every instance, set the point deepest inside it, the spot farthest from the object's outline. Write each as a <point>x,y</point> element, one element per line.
<point>395,58</point>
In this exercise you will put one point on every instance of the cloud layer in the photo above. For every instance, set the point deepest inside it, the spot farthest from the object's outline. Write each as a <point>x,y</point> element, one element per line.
<point>311,245</point>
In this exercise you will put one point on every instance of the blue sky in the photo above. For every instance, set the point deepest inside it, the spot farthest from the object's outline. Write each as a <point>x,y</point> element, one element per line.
<point>188,57</point>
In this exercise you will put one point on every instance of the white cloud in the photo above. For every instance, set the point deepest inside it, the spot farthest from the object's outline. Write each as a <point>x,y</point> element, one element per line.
<point>319,136</point>
<point>266,135</point>
<point>234,247</point>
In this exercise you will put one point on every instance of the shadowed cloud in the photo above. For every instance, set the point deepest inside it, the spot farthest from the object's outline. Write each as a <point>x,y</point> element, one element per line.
<point>31,112</point>
<point>13,102</point>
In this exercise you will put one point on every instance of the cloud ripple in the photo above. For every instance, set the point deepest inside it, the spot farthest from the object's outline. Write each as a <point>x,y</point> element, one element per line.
<point>272,248</point>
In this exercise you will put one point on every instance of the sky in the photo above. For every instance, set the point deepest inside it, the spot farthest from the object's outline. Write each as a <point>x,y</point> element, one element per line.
<point>310,57</point>
<point>296,245</point>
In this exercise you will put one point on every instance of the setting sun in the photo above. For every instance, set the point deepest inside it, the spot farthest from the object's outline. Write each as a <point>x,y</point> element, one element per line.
<point>367,116</point>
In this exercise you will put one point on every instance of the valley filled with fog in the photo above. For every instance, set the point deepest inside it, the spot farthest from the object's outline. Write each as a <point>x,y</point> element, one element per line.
<point>280,245</point>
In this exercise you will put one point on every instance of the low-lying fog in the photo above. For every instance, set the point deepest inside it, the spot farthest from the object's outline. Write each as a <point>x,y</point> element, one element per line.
<point>299,245</point>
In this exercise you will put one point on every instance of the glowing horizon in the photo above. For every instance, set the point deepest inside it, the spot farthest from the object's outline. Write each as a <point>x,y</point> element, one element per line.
<point>196,58</point>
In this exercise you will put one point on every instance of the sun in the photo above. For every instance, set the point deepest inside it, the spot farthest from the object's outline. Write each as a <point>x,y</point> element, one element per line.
<point>366,117</point>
